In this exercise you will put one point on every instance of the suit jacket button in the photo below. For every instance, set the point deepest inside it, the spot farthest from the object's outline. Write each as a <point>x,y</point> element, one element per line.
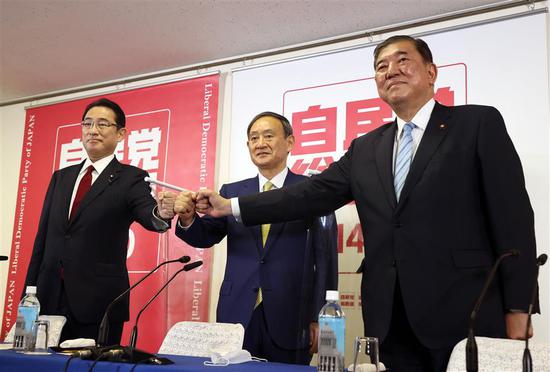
<point>67,236</point>
<point>393,263</point>
<point>262,261</point>
<point>397,224</point>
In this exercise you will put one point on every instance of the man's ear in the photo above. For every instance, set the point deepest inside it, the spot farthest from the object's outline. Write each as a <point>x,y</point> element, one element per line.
<point>432,73</point>
<point>121,133</point>
<point>290,143</point>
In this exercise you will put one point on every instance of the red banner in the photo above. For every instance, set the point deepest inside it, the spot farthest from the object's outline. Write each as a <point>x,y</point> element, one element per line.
<point>171,133</point>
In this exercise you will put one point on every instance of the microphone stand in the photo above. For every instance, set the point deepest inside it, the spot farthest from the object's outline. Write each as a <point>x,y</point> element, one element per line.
<point>104,325</point>
<point>471,345</point>
<point>133,336</point>
<point>129,354</point>
<point>527,360</point>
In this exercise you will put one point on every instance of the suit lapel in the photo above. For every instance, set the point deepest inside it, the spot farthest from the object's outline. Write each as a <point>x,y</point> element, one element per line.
<point>67,185</point>
<point>384,159</point>
<point>250,188</point>
<point>437,128</point>
<point>109,175</point>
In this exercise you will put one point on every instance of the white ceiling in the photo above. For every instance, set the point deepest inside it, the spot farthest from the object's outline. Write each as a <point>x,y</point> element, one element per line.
<point>49,45</point>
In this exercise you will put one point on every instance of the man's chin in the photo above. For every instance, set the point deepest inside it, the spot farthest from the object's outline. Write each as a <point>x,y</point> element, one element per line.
<point>95,152</point>
<point>93,147</point>
<point>261,163</point>
<point>396,99</point>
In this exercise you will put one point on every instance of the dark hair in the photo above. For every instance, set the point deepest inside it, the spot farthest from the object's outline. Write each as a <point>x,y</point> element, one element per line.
<point>419,44</point>
<point>104,102</point>
<point>284,121</point>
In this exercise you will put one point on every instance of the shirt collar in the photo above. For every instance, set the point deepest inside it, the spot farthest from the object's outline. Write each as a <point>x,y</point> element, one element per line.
<point>278,181</point>
<point>99,165</point>
<point>420,119</point>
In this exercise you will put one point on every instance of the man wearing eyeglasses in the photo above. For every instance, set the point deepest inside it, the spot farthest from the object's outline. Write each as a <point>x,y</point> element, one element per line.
<point>79,256</point>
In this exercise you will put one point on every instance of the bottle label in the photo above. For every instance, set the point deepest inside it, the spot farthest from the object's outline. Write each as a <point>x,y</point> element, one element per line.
<point>331,343</point>
<point>30,314</point>
<point>24,337</point>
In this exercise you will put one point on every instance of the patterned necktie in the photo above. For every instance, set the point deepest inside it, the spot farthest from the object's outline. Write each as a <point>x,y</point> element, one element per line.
<point>265,232</point>
<point>83,188</point>
<point>403,159</point>
<point>265,228</point>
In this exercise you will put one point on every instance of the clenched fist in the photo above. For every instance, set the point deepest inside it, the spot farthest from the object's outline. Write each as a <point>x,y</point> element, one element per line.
<point>185,207</point>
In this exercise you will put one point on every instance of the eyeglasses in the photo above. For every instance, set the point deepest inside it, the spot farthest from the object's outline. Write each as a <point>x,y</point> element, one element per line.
<point>100,124</point>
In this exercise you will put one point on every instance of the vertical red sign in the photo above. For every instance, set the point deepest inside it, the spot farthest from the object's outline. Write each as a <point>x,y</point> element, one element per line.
<point>171,133</point>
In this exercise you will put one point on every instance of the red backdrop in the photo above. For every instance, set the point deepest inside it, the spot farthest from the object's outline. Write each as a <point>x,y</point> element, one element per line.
<point>171,134</point>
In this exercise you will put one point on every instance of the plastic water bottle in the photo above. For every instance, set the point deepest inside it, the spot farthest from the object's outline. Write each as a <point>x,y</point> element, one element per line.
<point>332,332</point>
<point>27,314</point>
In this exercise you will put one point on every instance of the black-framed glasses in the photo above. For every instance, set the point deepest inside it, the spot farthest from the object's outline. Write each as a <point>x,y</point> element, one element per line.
<point>100,124</point>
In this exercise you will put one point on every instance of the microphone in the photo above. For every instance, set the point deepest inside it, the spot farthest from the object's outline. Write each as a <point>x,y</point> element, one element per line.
<point>3,258</point>
<point>527,360</point>
<point>471,346</point>
<point>104,325</point>
<point>133,336</point>
<point>192,265</point>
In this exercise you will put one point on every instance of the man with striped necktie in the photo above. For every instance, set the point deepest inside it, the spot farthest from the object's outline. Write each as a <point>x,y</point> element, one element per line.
<point>441,194</point>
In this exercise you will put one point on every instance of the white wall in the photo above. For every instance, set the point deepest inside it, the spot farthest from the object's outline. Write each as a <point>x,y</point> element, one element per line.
<point>12,119</point>
<point>12,124</point>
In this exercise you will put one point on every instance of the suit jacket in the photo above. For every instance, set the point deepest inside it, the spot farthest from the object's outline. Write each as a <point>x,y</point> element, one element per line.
<point>294,269</point>
<point>463,203</point>
<point>91,248</point>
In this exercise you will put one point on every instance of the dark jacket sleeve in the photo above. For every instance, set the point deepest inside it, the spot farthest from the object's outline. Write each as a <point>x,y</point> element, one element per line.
<point>324,235</point>
<point>40,239</point>
<point>142,204</point>
<point>508,207</point>
<point>316,196</point>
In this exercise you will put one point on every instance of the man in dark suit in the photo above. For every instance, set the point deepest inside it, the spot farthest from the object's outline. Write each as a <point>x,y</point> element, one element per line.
<point>276,275</point>
<point>440,193</point>
<point>79,255</point>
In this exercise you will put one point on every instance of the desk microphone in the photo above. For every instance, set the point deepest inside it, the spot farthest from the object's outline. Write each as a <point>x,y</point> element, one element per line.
<point>133,337</point>
<point>104,325</point>
<point>3,258</point>
<point>471,346</point>
<point>527,361</point>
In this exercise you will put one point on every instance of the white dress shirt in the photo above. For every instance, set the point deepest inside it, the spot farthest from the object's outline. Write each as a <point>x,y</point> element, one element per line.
<point>420,120</point>
<point>99,166</point>
<point>277,181</point>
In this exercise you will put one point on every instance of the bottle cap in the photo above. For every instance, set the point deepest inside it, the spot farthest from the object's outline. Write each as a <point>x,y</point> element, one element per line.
<point>332,296</point>
<point>31,289</point>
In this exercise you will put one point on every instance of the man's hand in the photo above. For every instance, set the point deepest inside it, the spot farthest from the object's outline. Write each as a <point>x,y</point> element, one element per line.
<point>185,207</point>
<point>516,324</point>
<point>313,337</point>
<point>165,202</point>
<point>211,203</point>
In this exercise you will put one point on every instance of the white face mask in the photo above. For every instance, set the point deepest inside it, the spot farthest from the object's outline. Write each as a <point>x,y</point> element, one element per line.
<point>222,359</point>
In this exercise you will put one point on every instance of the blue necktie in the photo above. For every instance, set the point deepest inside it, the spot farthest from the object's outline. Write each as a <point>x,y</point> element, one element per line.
<point>403,159</point>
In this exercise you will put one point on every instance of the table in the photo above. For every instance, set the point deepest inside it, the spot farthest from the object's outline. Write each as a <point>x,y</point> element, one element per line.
<point>11,361</point>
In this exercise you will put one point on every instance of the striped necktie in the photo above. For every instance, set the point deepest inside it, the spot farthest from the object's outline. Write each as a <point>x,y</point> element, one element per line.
<point>403,159</point>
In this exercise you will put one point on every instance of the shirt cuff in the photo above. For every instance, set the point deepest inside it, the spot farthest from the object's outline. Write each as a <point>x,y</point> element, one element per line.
<point>185,228</point>
<point>235,209</point>
<point>160,224</point>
